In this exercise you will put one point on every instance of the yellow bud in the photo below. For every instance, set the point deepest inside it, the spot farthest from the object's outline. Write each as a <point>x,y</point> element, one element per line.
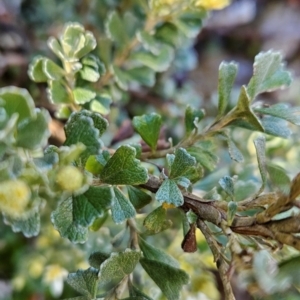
<point>69,178</point>
<point>168,205</point>
<point>212,4</point>
<point>14,197</point>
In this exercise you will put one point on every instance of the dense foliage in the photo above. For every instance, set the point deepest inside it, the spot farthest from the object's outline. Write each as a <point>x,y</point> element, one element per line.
<point>127,198</point>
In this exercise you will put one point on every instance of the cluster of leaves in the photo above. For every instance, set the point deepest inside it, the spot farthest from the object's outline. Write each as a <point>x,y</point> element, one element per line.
<point>85,184</point>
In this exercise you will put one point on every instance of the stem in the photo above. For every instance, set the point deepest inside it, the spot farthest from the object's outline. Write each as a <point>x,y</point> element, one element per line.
<point>120,59</point>
<point>192,139</point>
<point>134,244</point>
<point>220,262</point>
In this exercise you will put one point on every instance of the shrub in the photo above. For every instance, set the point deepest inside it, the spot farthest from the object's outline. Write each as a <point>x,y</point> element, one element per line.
<point>127,201</point>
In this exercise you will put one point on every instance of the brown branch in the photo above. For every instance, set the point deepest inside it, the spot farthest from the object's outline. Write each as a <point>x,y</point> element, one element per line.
<point>215,212</point>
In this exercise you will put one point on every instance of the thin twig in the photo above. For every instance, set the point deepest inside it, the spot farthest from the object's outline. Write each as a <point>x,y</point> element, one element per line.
<point>220,262</point>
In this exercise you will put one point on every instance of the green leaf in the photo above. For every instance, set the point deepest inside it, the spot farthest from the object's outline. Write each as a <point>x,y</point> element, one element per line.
<point>34,133</point>
<point>65,222</point>
<point>124,168</point>
<point>136,294</point>
<point>245,189</point>
<point>156,254</point>
<point>85,282</point>
<point>192,116</point>
<point>105,51</point>
<point>58,93</point>
<point>85,127</point>
<point>276,126</point>
<point>35,70</point>
<point>269,74</point>
<point>97,258</point>
<point>158,63</point>
<point>143,75</point>
<point>119,265</point>
<point>279,178</point>
<point>29,224</point>
<point>183,162</point>
<point>17,100</point>
<point>56,47</point>
<point>282,111</point>
<point>203,153</point>
<point>137,197</point>
<point>116,30</point>
<point>101,104</point>
<point>260,146</point>
<point>227,75</point>
<point>63,112</point>
<point>289,270</point>
<point>234,152</point>
<point>92,204</point>
<point>52,70</point>
<point>227,185</point>
<point>121,77</point>
<point>122,208</point>
<point>156,221</point>
<point>76,41</point>
<point>244,112</point>
<point>169,279</point>
<point>89,44</point>
<point>190,22</point>
<point>149,42</point>
<point>169,192</point>
<point>92,68</point>
<point>148,126</point>
<point>82,95</point>
<point>99,122</point>
<point>232,208</point>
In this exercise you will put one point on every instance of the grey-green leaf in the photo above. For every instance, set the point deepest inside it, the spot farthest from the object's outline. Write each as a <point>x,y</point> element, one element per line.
<point>116,29</point>
<point>158,63</point>
<point>169,279</point>
<point>91,205</point>
<point>143,75</point>
<point>124,168</point>
<point>82,95</point>
<point>137,197</point>
<point>85,127</point>
<point>65,222</point>
<point>260,145</point>
<point>276,126</point>
<point>58,92</point>
<point>156,254</point>
<point>119,265</point>
<point>97,258</point>
<point>282,111</point>
<point>122,208</point>
<point>156,221</point>
<point>192,116</point>
<point>85,282</point>
<point>183,162</point>
<point>244,111</point>
<point>101,104</point>
<point>279,178</point>
<point>268,74</point>
<point>35,70</point>
<point>227,75</point>
<point>34,133</point>
<point>227,185</point>
<point>148,126</point>
<point>169,192</point>
<point>203,153</point>
<point>29,225</point>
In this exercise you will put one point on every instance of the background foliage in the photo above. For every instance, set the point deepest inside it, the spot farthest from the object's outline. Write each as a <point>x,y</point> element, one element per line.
<point>127,65</point>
